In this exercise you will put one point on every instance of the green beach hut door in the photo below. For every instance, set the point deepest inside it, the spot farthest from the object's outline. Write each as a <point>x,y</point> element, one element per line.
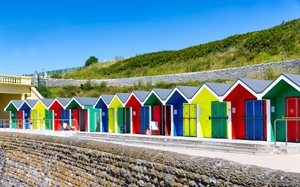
<point>14,119</point>
<point>218,119</point>
<point>48,119</point>
<point>98,121</point>
<point>189,119</point>
<point>124,120</point>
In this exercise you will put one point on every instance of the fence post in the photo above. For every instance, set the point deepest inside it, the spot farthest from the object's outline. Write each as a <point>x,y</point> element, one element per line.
<point>286,137</point>
<point>275,131</point>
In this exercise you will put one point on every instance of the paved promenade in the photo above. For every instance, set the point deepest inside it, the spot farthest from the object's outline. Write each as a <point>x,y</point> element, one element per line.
<point>286,162</point>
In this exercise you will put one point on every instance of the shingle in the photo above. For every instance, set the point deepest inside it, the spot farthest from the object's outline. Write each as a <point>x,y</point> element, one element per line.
<point>86,101</point>
<point>219,88</point>
<point>256,85</point>
<point>31,102</point>
<point>107,98</point>
<point>64,101</point>
<point>47,102</point>
<point>188,91</point>
<point>141,95</point>
<point>123,96</point>
<point>293,77</point>
<point>162,93</point>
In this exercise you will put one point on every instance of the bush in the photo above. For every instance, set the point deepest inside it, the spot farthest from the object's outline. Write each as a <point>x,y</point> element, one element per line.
<point>91,60</point>
<point>87,86</point>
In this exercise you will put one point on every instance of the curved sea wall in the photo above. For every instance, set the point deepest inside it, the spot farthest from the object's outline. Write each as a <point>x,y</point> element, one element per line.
<point>36,160</point>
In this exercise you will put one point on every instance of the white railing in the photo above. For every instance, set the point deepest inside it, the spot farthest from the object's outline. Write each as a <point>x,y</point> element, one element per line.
<point>7,79</point>
<point>285,119</point>
<point>37,124</point>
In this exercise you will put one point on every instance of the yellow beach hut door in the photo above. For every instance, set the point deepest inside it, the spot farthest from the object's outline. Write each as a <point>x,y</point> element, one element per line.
<point>111,120</point>
<point>189,119</point>
<point>218,119</point>
<point>34,120</point>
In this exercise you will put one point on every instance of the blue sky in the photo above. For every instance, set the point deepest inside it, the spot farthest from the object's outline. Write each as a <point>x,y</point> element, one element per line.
<point>38,35</point>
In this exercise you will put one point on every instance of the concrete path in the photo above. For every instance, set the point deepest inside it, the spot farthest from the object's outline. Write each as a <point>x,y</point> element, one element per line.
<point>282,162</point>
<point>289,162</point>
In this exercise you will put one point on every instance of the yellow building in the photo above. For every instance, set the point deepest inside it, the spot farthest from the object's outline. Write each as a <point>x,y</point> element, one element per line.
<point>15,88</point>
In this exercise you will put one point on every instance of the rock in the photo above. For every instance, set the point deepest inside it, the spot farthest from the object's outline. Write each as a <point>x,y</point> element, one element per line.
<point>169,180</point>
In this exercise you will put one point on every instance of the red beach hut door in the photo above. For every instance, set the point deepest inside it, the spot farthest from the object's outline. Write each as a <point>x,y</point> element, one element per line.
<point>293,113</point>
<point>136,115</point>
<point>20,119</point>
<point>168,120</point>
<point>157,118</point>
<point>75,118</point>
<point>57,120</point>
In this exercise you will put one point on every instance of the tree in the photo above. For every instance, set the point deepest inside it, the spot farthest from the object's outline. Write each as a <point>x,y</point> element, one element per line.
<point>91,60</point>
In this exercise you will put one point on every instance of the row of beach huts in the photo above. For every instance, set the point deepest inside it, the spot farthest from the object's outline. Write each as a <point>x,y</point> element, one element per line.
<point>247,109</point>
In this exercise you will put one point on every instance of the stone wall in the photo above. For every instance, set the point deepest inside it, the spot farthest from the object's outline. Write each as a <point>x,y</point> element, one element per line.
<point>35,160</point>
<point>231,74</point>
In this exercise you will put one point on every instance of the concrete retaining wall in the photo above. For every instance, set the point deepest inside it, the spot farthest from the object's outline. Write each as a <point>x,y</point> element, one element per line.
<point>35,160</point>
<point>231,73</point>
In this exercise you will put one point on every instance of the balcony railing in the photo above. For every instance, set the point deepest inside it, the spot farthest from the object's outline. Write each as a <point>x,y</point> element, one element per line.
<point>15,80</point>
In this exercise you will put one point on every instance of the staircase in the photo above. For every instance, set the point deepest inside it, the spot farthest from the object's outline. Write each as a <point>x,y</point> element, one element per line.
<point>221,145</point>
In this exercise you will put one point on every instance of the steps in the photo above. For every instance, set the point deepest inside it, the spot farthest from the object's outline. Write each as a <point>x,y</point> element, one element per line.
<point>223,145</point>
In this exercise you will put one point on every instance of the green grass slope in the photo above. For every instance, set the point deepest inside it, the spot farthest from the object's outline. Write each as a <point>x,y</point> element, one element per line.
<point>92,90</point>
<point>275,44</point>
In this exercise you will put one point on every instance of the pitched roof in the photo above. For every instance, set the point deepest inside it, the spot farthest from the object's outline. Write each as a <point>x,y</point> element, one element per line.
<point>63,101</point>
<point>219,88</point>
<point>293,77</point>
<point>47,102</point>
<point>123,96</point>
<point>188,91</point>
<point>258,86</point>
<point>17,103</point>
<point>107,98</point>
<point>141,95</point>
<point>162,93</point>
<point>89,101</point>
<point>31,102</point>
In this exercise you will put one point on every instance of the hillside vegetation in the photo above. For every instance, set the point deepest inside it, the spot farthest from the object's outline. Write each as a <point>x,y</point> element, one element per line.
<point>275,44</point>
<point>92,90</point>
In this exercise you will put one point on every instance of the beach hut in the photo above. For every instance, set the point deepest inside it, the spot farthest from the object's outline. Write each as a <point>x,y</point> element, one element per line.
<point>284,96</point>
<point>212,113</point>
<point>84,112</point>
<point>160,112</point>
<point>48,117</point>
<point>249,113</point>
<point>119,116</point>
<point>41,117</point>
<point>16,116</point>
<point>103,103</point>
<point>61,115</point>
<point>26,107</point>
<point>179,119</point>
<point>140,113</point>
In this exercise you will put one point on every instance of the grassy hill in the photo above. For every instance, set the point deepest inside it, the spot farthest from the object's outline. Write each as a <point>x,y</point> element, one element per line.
<point>93,90</point>
<point>279,43</point>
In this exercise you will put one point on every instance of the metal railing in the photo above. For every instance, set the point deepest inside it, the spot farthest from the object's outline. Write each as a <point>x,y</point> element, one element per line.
<point>284,119</point>
<point>15,79</point>
<point>39,124</point>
